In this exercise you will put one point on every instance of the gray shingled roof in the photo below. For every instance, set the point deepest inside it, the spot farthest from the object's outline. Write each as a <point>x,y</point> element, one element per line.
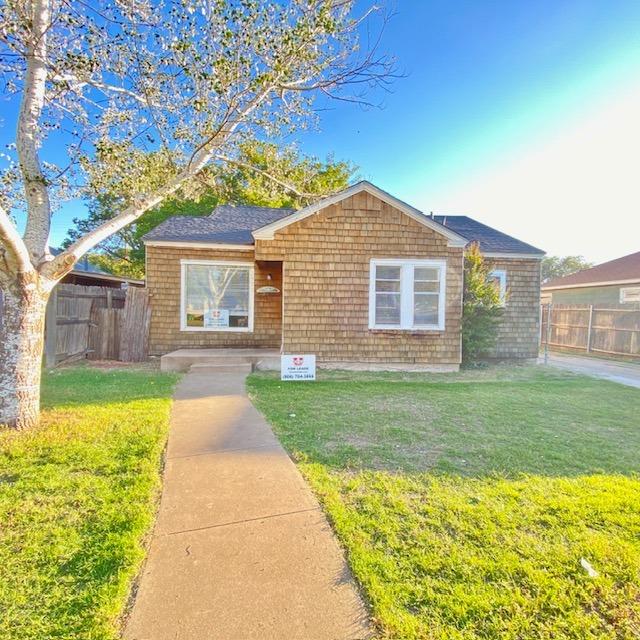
<point>491,240</point>
<point>227,224</point>
<point>230,224</point>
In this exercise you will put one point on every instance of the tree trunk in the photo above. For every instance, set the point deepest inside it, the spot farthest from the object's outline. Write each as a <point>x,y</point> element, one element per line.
<point>23,307</point>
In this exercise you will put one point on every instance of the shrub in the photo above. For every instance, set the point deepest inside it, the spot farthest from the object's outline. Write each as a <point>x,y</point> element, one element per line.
<point>481,308</point>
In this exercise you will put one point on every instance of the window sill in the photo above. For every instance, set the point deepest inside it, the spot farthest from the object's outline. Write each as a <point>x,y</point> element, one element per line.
<point>206,330</point>
<point>409,331</point>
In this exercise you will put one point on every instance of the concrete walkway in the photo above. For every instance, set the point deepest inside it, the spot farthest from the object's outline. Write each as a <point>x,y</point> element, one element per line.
<point>622,372</point>
<point>241,549</point>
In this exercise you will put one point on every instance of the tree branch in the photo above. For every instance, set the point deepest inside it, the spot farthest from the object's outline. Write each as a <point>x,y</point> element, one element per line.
<point>63,263</point>
<point>286,185</point>
<point>12,241</point>
<point>36,192</point>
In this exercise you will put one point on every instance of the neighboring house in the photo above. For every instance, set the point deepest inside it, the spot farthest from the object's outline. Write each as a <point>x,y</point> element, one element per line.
<point>358,277</point>
<point>88,275</point>
<point>613,282</point>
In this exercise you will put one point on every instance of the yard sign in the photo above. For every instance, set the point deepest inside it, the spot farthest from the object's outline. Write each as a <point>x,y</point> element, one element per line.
<point>298,367</point>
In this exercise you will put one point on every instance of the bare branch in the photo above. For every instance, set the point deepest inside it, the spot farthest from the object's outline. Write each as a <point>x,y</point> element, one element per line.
<point>77,85</point>
<point>64,262</point>
<point>11,240</point>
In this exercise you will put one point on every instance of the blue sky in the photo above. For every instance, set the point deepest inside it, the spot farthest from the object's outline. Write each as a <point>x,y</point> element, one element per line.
<point>501,104</point>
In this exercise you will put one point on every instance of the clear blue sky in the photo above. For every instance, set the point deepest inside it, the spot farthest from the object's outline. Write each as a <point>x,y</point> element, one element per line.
<point>492,86</point>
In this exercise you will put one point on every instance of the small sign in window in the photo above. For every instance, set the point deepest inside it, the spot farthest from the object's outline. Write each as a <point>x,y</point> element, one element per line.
<point>216,318</point>
<point>298,367</point>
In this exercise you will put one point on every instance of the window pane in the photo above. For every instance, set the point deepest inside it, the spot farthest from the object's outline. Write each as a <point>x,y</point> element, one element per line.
<point>425,309</point>
<point>426,287</point>
<point>387,308</point>
<point>426,273</point>
<point>388,285</point>
<point>387,272</point>
<point>217,296</point>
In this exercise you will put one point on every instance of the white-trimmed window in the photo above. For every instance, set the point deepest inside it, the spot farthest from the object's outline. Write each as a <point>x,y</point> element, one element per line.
<point>629,294</point>
<point>216,296</point>
<point>407,294</point>
<point>499,276</point>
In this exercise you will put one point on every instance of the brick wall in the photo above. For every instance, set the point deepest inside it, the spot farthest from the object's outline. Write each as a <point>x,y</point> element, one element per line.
<point>163,282</point>
<point>326,284</point>
<point>519,330</point>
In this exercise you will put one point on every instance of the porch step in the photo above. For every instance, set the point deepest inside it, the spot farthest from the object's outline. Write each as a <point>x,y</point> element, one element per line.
<point>230,367</point>
<point>183,359</point>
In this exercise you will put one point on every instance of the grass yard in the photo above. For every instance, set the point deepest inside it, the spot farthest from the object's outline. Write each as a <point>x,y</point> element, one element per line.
<point>466,502</point>
<point>77,498</point>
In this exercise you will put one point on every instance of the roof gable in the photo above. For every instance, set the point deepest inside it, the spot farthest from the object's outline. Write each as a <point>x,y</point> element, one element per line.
<point>238,225</point>
<point>267,232</point>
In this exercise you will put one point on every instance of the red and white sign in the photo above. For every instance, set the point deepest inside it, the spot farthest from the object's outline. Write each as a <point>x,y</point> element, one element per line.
<point>298,367</point>
<point>216,318</point>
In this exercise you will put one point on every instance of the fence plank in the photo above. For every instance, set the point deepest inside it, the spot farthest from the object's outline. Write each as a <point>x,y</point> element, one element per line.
<point>134,338</point>
<point>97,322</point>
<point>51,331</point>
<point>591,328</point>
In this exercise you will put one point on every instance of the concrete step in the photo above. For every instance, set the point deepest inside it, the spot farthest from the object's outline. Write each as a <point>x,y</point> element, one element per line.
<point>231,367</point>
<point>182,359</point>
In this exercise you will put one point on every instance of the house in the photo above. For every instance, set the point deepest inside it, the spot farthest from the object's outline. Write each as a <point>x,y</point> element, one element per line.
<point>358,278</point>
<point>613,282</point>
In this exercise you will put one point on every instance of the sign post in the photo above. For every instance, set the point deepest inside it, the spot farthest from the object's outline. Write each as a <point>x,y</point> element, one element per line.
<point>298,367</point>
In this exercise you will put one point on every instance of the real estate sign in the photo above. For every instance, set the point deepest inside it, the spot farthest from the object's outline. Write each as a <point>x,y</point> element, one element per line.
<point>298,367</point>
<point>216,318</point>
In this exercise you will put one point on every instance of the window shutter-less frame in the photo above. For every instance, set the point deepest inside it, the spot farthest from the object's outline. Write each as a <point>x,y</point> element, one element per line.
<point>408,294</point>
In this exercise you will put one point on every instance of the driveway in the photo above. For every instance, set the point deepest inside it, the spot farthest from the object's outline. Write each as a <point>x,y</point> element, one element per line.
<point>622,372</point>
<point>241,548</point>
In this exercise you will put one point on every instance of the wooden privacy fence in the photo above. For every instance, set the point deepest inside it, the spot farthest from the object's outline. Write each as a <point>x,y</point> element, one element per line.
<point>98,323</point>
<point>610,329</point>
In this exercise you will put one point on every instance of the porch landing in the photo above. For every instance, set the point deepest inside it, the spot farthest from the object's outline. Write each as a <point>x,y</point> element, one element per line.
<point>206,360</point>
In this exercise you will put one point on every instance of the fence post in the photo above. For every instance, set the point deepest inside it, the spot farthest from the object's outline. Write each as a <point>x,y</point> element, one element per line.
<point>548,336</point>
<point>51,331</point>
<point>589,329</point>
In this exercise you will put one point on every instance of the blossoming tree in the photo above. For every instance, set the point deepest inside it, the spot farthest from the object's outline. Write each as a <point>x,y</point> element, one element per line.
<point>90,84</point>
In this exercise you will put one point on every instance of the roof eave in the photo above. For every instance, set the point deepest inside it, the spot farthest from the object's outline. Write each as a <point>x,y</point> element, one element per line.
<point>196,244</point>
<point>105,276</point>
<point>582,285</point>
<point>511,255</point>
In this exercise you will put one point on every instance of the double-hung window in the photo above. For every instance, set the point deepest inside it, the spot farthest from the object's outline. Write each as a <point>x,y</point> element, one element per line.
<point>216,296</point>
<point>407,294</point>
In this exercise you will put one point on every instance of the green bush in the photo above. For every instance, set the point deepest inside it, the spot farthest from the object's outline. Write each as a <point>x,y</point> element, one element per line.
<point>482,308</point>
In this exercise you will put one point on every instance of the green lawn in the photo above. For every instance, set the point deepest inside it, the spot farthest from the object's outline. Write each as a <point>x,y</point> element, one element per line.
<point>77,498</point>
<point>467,501</point>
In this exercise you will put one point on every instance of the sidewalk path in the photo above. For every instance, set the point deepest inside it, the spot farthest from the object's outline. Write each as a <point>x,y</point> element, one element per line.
<point>622,372</point>
<point>241,549</point>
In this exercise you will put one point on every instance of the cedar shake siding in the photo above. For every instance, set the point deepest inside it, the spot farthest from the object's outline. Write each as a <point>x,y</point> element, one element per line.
<point>519,330</point>
<point>320,260</point>
<point>163,282</point>
<point>326,284</point>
